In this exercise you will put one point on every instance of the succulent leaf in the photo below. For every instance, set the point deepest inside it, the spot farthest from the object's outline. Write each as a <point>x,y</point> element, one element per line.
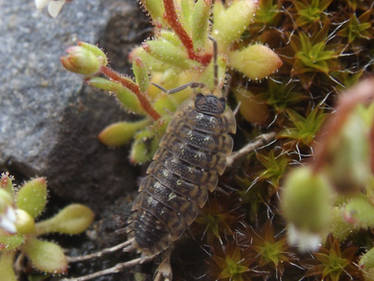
<point>255,61</point>
<point>45,256</point>
<point>11,242</point>
<point>199,23</point>
<point>121,133</point>
<point>126,97</point>
<point>32,197</point>
<point>73,219</point>
<point>239,14</point>
<point>6,266</point>
<point>165,51</point>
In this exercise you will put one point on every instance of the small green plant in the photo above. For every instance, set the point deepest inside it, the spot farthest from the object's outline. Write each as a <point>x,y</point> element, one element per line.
<point>180,53</point>
<point>19,232</point>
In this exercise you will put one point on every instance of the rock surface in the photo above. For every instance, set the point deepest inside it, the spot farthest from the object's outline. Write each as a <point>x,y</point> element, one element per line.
<point>49,120</point>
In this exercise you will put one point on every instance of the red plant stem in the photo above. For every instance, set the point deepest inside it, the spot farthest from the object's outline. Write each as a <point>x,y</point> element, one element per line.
<point>363,92</point>
<point>110,73</point>
<point>172,19</point>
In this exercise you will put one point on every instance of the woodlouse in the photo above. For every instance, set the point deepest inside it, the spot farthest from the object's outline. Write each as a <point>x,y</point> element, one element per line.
<point>191,156</point>
<point>194,151</point>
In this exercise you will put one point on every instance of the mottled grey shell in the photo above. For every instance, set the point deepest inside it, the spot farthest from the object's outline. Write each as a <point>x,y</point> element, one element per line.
<point>191,156</point>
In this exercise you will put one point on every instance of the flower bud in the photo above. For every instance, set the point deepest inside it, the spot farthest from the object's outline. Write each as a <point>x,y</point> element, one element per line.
<point>305,201</point>
<point>25,223</point>
<point>256,61</point>
<point>84,59</point>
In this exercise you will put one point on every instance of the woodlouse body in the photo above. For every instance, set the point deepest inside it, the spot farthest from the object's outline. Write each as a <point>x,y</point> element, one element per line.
<point>191,156</point>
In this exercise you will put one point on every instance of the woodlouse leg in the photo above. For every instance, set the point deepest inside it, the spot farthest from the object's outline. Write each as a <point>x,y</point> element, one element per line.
<point>164,271</point>
<point>128,246</point>
<point>115,269</point>
<point>260,141</point>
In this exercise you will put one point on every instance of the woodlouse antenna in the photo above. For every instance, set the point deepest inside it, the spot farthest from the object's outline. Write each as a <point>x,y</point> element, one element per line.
<point>180,88</point>
<point>215,65</point>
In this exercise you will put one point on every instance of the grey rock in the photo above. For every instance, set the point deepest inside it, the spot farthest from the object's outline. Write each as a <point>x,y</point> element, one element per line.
<point>49,120</point>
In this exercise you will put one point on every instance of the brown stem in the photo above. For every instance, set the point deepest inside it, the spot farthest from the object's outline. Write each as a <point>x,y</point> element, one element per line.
<point>110,73</point>
<point>363,92</point>
<point>172,19</point>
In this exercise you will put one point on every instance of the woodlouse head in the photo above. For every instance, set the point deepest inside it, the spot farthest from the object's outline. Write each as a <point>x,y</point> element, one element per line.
<point>210,104</point>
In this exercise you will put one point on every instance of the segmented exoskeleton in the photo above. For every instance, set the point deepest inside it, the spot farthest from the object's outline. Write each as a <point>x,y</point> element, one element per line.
<point>191,156</point>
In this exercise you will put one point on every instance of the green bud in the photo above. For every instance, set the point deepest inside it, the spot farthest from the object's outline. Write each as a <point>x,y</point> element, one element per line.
<point>73,219</point>
<point>84,59</point>
<point>45,256</point>
<point>144,146</point>
<point>141,74</point>
<point>360,212</point>
<point>200,23</point>
<point>6,266</point>
<point>32,197</point>
<point>25,223</point>
<point>256,61</point>
<point>127,98</point>
<point>121,133</point>
<point>367,265</point>
<point>166,52</point>
<point>230,23</point>
<point>306,200</point>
